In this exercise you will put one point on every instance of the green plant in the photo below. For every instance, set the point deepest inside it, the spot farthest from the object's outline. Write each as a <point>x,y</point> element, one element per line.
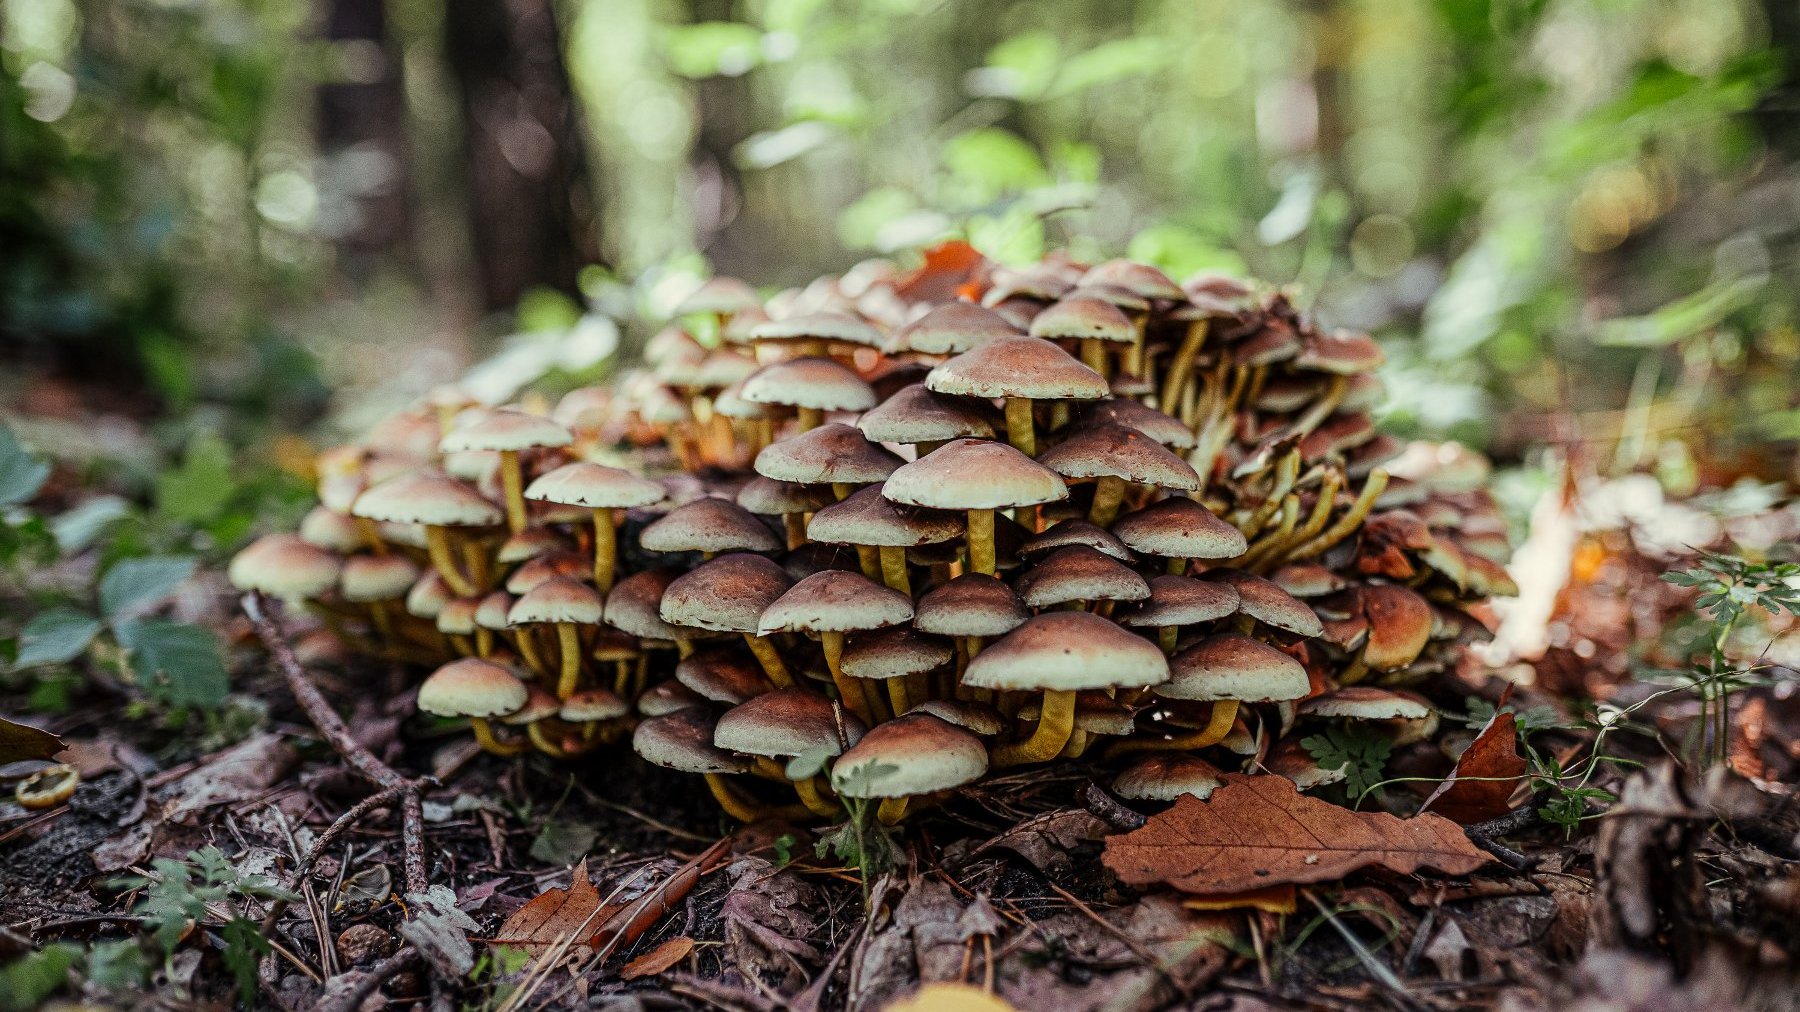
<point>1360,750</point>
<point>861,841</point>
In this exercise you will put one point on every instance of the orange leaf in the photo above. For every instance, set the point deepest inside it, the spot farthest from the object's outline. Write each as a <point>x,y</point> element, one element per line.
<point>1259,831</point>
<point>947,268</point>
<point>556,916</point>
<point>658,959</point>
<point>1494,758</point>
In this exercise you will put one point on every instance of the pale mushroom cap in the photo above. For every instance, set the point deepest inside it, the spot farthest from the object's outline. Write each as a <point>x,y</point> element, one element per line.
<point>592,704</point>
<point>1307,579</point>
<point>917,415</point>
<point>821,326</point>
<point>786,722</point>
<point>377,577</point>
<point>1167,430</point>
<point>471,687</point>
<point>1230,666</point>
<point>584,483</point>
<point>910,755</point>
<point>1141,280</point>
<point>980,718</point>
<point>558,600</point>
<point>728,594</point>
<point>829,453</point>
<point>491,611</point>
<point>681,739</point>
<point>893,653</point>
<point>709,525</point>
<point>503,429</point>
<point>1342,352</point>
<point>1084,318</point>
<point>457,616</point>
<point>1018,367</point>
<point>283,566</point>
<point>427,596</point>
<point>971,474</point>
<point>869,518</point>
<point>427,497</point>
<point>768,497</point>
<point>529,544</point>
<point>1095,713</point>
<point>1067,650</point>
<point>548,566</point>
<point>723,675</point>
<point>721,296</point>
<point>1182,600</point>
<point>1079,573</point>
<point>1076,532</point>
<point>667,697</point>
<point>1180,528</point>
<point>952,328</point>
<point>1290,759</point>
<point>1118,452</point>
<point>818,383</point>
<point>330,530</point>
<point>973,604</point>
<point>1166,776</point>
<point>1265,601</point>
<point>835,601</point>
<point>1368,702</point>
<point>724,368</point>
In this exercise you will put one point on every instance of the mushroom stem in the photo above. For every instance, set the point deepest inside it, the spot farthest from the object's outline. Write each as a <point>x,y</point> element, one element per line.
<point>897,695</point>
<point>1078,743</point>
<point>526,639</point>
<point>1315,522</point>
<point>1166,638</point>
<point>770,661</point>
<point>1259,550</point>
<point>378,617</point>
<point>728,799</point>
<point>1218,725</point>
<point>849,689</point>
<point>484,641</point>
<point>545,744</point>
<point>1019,430</point>
<point>1093,354</point>
<point>1055,721</point>
<point>796,529</point>
<point>981,541</point>
<point>462,646</point>
<point>840,490</point>
<point>371,535</point>
<point>484,736</point>
<point>814,799</point>
<point>893,569</point>
<point>437,545</point>
<point>568,642</point>
<point>1321,408</point>
<point>513,482</point>
<point>1176,380</point>
<point>475,560</point>
<point>810,419</point>
<point>1348,523</point>
<point>1287,470</point>
<point>606,548</point>
<point>1109,491</point>
<point>891,810</point>
<point>870,560</point>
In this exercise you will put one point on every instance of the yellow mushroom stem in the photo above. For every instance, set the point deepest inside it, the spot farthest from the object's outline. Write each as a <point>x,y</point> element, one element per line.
<point>1109,491</point>
<point>462,645</point>
<point>568,643</point>
<point>815,799</point>
<point>1287,471</point>
<point>924,448</point>
<point>684,649</point>
<point>1093,354</point>
<point>981,541</point>
<point>1055,721</point>
<point>1322,408</point>
<point>484,736</point>
<point>897,695</point>
<point>1349,522</point>
<point>1133,363</point>
<point>378,617</point>
<point>1356,671</point>
<point>870,561</point>
<point>840,490</point>
<point>809,419</point>
<point>893,569</point>
<point>1284,528</point>
<point>1019,429</point>
<point>1315,522</point>
<point>512,481</point>
<point>1218,725</point>
<point>1078,743</point>
<point>525,638</point>
<point>849,689</point>
<point>475,562</point>
<point>918,687</point>
<point>545,744</point>
<point>1175,383</point>
<point>484,642</point>
<point>437,546</point>
<point>733,804</point>
<point>606,548</point>
<point>796,529</point>
<point>891,810</point>
<point>1166,637</point>
<point>770,661</point>
<point>371,535</point>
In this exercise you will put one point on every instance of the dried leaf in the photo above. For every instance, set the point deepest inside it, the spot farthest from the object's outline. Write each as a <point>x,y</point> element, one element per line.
<point>1046,840</point>
<point>658,959</point>
<point>556,916</point>
<point>947,268</point>
<point>440,931</point>
<point>19,742</point>
<point>1486,776</point>
<point>245,771</point>
<point>1259,831</point>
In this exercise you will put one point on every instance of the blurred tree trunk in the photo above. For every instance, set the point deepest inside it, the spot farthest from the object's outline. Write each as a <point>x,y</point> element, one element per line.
<point>726,112</point>
<point>531,215</point>
<point>361,124</point>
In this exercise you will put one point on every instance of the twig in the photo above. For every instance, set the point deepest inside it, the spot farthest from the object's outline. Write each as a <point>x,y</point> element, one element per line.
<point>378,975</point>
<point>305,864</point>
<point>1103,806</point>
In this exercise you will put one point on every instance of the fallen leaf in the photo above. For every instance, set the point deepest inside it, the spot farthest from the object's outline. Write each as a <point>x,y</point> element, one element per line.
<point>19,742</point>
<point>948,266</point>
<point>1258,831</point>
<point>1046,840</point>
<point>769,913</point>
<point>556,916</point>
<point>440,931</point>
<point>1486,776</point>
<point>658,959</point>
<point>244,771</point>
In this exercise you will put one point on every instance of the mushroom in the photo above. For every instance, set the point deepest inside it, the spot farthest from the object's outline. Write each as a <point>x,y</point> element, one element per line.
<point>917,417</point>
<point>437,501</point>
<point>48,787</point>
<point>785,724</point>
<point>568,605</point>
<point>1114,456</point>
<point>909,756</point>
<point>835,454</point>
<point>284,567</point>
<point>1179,529</point>
<point>605,491</point>
<point>1076,532</point>
<point>456,622</point>
<point>812,333</point>
<point>507,432</point>
<point>378,581</point>
<point>789,500</point>
<point>978,476</point>
<point>896,653</point>
<point>1165,429</point>
<point>1019,370</point>
<point>830,604</point>
<point>478,690</point>
<point>1092,323</point>
<point>1409,717</point>
<point>667,697</point>
<point>867,519</point>
<point>489,617</point>
<point>1167,776</point>
<point>729,594</point>
<point>723,675</point>
<point>708,526</point>
<point>1177,601</point>
<point>970,608</point>
<point>1264,601</point>
<point>811,386</point>
<point>951,328</point>
<point>1076,575</point>
<point>1225,670</point>
<point>682,740</point>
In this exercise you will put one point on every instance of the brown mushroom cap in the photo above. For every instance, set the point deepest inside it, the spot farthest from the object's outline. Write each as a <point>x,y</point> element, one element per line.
<point>457,616</point>
<point>728,594</point>
<point>1307,579</point>
<point>427,497</point>
<point>869,518</point>
<point>951,329</point>
<point>503,429</point>
<point>1133,414</point>
<point>548,566</point>
<point>1180,528</point>
<point>558,600</point>
<point>980,718</point>
<point>1290,759</point>
<point>720,296</point>
<point>709,525</point>
<point>1076,532</point>
<point>970,474</point>
<point>1018,367</point>
<point>820,326</point>
<point>1230,666</point>
<point>1079,573</point>
<point>681,740</point>
<point>973,604</point>
<point>284,566</point>
<point>669,696</point>
<point>1118,452</point>
<point>835,601</point>
<point>723,674</point>
<point>1084,318</point>
<point>910,755</point>
<point>592,705</point>
<point>377,577</point>
<point>787,722</point>
<point>1399,625</point>
<point>331,530</point>
<point>1038,283</point>
<point>1067,650</point>
<point>1344,353</point>
<point>594,485</point>
<point>427,596</point>
<point>1182,600</point>
<point>1267,603</point>
<point>529,544</point>
<point>1139,279</point>
<point>768,497</point>
<point>1165,776</point>
<point>916,415</point>
<point>471,687</point>
<point>1368,702</point>
<point>829,453</point>
<point>491,611</point>
<point>818,383</point>
<point>895,652</point>
<point>1095,713</point>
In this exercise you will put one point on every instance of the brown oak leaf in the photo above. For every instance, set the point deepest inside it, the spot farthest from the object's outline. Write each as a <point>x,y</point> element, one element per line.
<point>658,959</point>
<point>1482,785</point>
<point>1258,831</point>
<point>564,918</point>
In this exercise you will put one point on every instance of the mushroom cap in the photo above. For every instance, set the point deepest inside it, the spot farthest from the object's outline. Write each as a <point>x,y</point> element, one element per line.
<point>1290,759</point>
<point>1095,713</point>
<point>951,329</point>
<point>330,530</point>
<point>1399,625</point>
<point>681,739</point>
<point>529,544</point>
<point>820,326</point>
<point>833,452</point>
<point>1368,702</point>
<point>912,754</point>
<point>1084,318</point>
<point>980,718</point>
<point>1018,367</point>
<point>1066,650</point>
<point>558,600</point>
<point>471,687</point>
<point>1123,298</point>
<point>492,610</point>
<point>719,296</point>
<point>724,368</point>
<point>1165,776</point>
<point>1114,451</point>
<point>377,577</point>
<point>1230,666</point>
<point>584,483</point>
<point>427,596</point>
<point>427,497</point>
<point>503,429</point>
<point>591,705</point>
<point>668,696</point>
<point>1180,528</point>
<point>768,497</point>
<point>1079,573</point>
<point>967,474</point>
<point>786,722</point>
<point>1341,352</point>
<point>728,594</point>
<point>1265,601</point>
<point>709,525</point>
<point>915,414</point>
<point>818,383</point>
<point>548,566</point>
<point>1182,600</point>
<point>457,616</point>
<point>1307,579</point>
<point>540,704</point>
<point>1038,283</point>
<point>1139,279</point>
<point>1134,414</point>
<point>1076,532</point>
<point>730,402</point>
<point>835,601</point>
<point>973,604</point>
<point>726,675</point>
<point>867,517</point>
<point>283,566</point>
<point>894,652</point>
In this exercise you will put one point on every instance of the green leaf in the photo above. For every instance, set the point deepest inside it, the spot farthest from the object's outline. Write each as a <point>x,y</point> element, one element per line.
<point>21,473</point>
<point>19,742</point>
<point>133,583</point>
<point>199,489</point>
<point>244,945</point>
<point>713,48</point>
<point>810,762</point>
<point>562,842</point>
<point>178,664</point>
<point>57,636</point>
<point>77,528</point>
<point>118,965</point>
<point>35,976</point>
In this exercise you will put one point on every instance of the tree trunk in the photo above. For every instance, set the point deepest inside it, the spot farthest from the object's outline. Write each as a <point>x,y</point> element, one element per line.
<point>361,125</point>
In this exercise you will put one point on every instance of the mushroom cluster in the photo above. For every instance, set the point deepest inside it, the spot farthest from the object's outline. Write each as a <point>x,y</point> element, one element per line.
<point>881,535</point>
